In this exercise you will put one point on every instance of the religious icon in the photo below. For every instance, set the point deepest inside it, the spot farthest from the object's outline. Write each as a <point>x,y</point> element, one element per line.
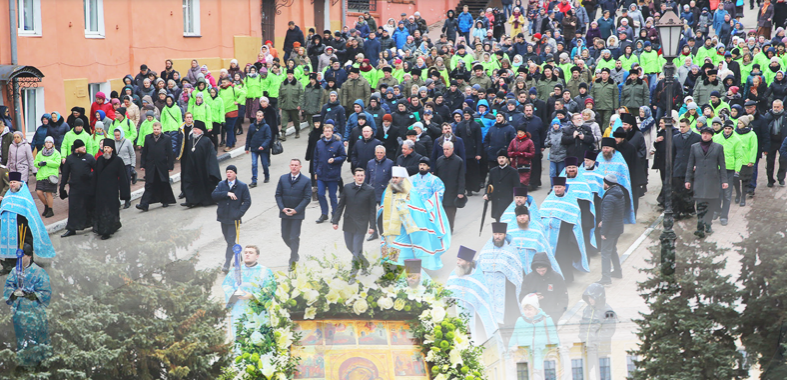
<point>371,333</point>
<point>312,364</point>
<point>312,333</point>
<point>339,333</point>
<point>408,363</point>
<point>400,334</point>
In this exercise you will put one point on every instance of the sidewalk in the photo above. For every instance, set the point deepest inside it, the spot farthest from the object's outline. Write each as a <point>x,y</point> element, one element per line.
<point>58,222</point>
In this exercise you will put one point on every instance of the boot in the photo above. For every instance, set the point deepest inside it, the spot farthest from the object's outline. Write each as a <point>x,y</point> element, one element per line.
<point>322,219</point>
<point>283,136</point>
<point>743,201</point>
<point>134,178</point>
<point>127,205</point>
<point>49,213</point>
<point>46,210</point>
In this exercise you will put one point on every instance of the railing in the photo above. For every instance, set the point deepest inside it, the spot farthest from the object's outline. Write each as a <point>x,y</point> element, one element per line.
<point>362,5</point>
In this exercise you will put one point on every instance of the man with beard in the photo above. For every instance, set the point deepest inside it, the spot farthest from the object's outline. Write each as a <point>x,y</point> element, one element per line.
<point>469,288</point>
<point>470,132</point>
<point>18,212</point>
<point>200,173</point>
<point>521,198</point>
<point>613,205</point>
<point>612,161</point>
<point>562,223</point>
<point>578,187</point>
<point>528,238</point>
<point>503,179</point>
<point>412,228</point>
<point>425,183</point>
<point>502,270</point>
<point>451,170</point>
<point>682,198</point>
<point>629,153</point>
<point>414,277</point>
<point>639,177</point>
<point>705,174</point>
<point>77,172</point>
<point>110,182</point>
<point>158,161</point>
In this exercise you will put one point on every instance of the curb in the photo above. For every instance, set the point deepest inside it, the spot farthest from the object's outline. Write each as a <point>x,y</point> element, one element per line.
<point>175,178</point>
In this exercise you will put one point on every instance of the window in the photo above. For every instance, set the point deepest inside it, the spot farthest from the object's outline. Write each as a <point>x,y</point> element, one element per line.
<point>550,372</point>
<point>630,366</point>
<point>94,18</point>
<point>577,370</point>
<point>605,369</point>
<point>94,88</point>
<point>32,109</point>
<point>29,21</point>
<point>522,371</point>
<point>191,18</point>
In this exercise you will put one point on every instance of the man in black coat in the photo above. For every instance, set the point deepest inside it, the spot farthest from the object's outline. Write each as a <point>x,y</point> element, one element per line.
<point>359,205</point>
<point>470,133</point>
<point>577,138</point>
<point>363,150</point>
<point>539,107</point>
<point>200,168</point>
<point>639,180</point>
<point>535,126</point>
<point>503,179</point>
<point>451,170</point>
<point>110,182</point>
<point>388,135</point>
<point>158,160</point>
<point>613,206</point>
<point>629,153</point>
<point>77,172</point>
<point>759,125</point>
<point>234,200</point>
<point>409,159</point>
<point>293,194</point>
<point>294,34</point>
<point>682,198</point>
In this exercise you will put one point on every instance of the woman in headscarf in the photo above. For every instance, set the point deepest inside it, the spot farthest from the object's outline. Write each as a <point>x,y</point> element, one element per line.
<point>647,126</point>
<point>193,72</point>
<point>234,68</point>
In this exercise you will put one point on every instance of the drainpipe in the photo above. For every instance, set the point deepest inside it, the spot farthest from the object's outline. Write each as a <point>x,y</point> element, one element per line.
<point>12,16</point>
<point>344,14</point>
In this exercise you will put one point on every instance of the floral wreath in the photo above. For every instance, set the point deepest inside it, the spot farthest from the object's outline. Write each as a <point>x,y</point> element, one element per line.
<point>266,332</point>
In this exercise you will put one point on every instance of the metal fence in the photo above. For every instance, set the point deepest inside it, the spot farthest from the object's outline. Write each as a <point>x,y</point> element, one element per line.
<point>362,5</point>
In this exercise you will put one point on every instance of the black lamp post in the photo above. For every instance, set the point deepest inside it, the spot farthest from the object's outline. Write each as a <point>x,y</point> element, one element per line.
<point>669,27</point>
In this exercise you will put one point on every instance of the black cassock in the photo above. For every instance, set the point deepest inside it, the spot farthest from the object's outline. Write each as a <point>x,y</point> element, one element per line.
<point>78,174</point>
<point>503,182</point>
<point>111,181</point>
<point>157,160</point>
<point>200,171</point>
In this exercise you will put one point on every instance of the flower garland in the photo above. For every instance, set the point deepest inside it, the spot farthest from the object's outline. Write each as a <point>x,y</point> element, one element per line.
<point>266,332</point>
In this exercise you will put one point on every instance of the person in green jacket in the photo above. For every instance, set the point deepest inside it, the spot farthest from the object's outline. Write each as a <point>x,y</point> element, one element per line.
<point>253,85</point>
<point>145,129</point>
<point>749,146</point>
<point>217,118</point>
<point>171,117</point>
<point>124,123</point>
<point>273,81</point>
<point>733,158</point>
<point>78,133</point>
<point>312,97</point>
<point>291,97</point>
<point>651,63</point>
<point>201,110</point>
<point>48,161</point>
<point>230,99</point>
<point>606,95</point>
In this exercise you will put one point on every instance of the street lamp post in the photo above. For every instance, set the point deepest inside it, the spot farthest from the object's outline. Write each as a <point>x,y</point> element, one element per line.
<point>669,27</point>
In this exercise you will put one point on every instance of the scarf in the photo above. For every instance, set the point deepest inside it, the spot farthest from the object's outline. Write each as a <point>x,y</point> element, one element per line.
<point>705,145</point>
<point>686,135</point>
<point>48,152</point>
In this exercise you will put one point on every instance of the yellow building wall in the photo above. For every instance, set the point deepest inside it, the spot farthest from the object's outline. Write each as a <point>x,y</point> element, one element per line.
<point>76,94</point>
<point>246,49</point>
<point>116,84</point>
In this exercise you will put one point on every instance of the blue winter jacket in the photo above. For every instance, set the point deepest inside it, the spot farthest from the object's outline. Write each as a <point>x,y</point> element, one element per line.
<point>323,151</point>
<point>259,136</point>
<point>400,36</point>
<point>465,22</point>
<point>487,118</point>
<point>352,121</point>
<point>372,49</point>
<point>499,136</point>
<point>334,111</point>
<point>378,174</point>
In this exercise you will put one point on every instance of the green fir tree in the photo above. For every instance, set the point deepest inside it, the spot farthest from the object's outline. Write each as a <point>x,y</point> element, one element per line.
<point>688,333</point>
<point>763,322</point>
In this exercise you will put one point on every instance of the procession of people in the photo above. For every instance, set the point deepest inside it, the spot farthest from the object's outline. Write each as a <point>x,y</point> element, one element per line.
<point>402,130</point>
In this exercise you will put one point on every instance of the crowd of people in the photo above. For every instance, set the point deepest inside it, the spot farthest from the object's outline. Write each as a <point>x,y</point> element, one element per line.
<point>424,124</point>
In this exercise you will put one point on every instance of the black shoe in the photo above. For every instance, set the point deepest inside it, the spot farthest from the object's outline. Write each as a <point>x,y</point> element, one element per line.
<point>105,237</point>
<point>189,205</point>
<point>181,196</point>
<point>142,208</point>
<point>372,237</point>
<point>225,268</point>
<point>743,202</point>
<point>321,219</point>
<point>781,182</point>
<point>699,233</point>
<point>68,233</point>
<point>708,230</point>
<point>46,209</point>
<point>222,143</point>
<point>134,178</point>
<point>616,274</point>
<point>127,205</point>
<point>240,132</point>
<point>770,184</point>
<point>737,199</point>
<point>266,180</point>
<point>470,194</point>
<point>253,185</point>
